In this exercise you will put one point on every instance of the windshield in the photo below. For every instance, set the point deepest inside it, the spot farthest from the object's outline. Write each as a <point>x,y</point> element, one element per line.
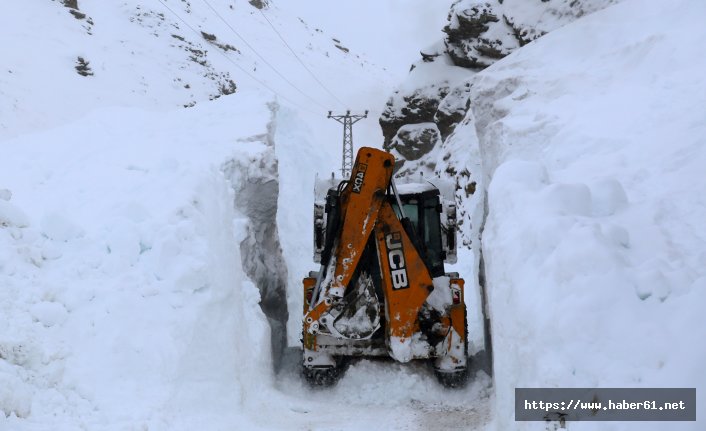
<point>424,216</point>
<point>432,236</point>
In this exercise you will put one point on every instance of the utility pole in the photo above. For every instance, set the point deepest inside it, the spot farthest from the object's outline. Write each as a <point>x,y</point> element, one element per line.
<point>347,120</point>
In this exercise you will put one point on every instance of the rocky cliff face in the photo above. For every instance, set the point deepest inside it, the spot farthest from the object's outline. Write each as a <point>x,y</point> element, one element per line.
<point>420,118</point>
<point>481,32</point>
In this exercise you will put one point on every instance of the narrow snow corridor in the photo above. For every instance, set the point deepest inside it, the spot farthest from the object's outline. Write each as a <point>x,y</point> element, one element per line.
<point>256,196</point>
<point>262,257</point>
<point>373,391</point>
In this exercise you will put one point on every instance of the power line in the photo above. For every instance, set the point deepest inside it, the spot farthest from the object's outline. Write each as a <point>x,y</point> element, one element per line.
<point>300,61</point>
<point>261,57</point>
<point>237,65</point>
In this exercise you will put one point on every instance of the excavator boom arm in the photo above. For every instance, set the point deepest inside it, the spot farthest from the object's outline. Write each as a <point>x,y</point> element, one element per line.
<point>360,203</point>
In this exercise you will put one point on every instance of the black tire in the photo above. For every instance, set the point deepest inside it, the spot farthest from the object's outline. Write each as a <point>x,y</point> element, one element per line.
<point>320,377</point>
<point>323,377</point>
<point>454,379</point>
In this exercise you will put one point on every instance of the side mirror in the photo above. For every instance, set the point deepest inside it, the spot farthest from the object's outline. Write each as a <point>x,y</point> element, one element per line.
<point>319,231</point>
<point>448,239</point>
<point>451,238</point>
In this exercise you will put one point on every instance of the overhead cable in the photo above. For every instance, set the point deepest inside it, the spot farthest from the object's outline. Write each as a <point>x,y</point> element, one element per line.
<point>313,75</point>
<point>263,84</point>
<point>261,57</point>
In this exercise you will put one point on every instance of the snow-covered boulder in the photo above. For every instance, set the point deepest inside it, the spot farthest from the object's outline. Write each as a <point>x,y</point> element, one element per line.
<point>413,141</point>
<point>476,35</point>
<point>417,99</point>
<point>419,106</point>
<point>452,109</point>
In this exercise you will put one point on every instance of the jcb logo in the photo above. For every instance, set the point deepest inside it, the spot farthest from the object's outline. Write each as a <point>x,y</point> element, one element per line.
<point>359,177</point>
<point>395,257</point>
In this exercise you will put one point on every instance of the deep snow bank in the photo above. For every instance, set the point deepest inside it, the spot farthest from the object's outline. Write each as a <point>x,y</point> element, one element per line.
<point>592,142</point>
<point>123,298</point>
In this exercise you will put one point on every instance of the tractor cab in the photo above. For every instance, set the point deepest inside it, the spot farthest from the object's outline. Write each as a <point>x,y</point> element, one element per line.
<point>431,213</point>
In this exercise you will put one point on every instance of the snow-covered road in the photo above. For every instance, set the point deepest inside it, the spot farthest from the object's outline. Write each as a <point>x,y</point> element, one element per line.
<point>386,395</point>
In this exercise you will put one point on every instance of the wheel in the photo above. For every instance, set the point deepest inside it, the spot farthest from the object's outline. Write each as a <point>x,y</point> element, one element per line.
<point>322,377</point>
<point>454,379</point>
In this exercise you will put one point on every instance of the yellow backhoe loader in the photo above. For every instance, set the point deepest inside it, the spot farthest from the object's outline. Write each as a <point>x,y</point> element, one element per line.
<point>382,290</point>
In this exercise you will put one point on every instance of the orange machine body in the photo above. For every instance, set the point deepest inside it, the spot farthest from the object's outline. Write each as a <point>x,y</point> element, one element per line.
<point>375,294</point>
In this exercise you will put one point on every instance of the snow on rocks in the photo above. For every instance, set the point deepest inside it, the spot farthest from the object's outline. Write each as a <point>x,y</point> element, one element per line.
<point>481,32</point>
<point>413,141</point>
<point>452,109</point>
<point>416,100</point>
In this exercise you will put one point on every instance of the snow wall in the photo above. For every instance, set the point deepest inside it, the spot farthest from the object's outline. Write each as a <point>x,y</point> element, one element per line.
<point>592,149</point>
<point>124,270</point>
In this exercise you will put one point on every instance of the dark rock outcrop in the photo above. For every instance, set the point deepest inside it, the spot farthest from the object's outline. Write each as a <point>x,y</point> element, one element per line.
<point>413,141</point>
<point>83,67</point>
<point>480,32</point>
<point>452,109</point>
<point>468,35</point>
<point>260,4</point>
<point>418,107</point>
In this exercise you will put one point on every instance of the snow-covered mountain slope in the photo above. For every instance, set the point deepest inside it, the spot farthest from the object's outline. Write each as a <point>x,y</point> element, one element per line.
<point>67,58</point>
<point>592,147</point>
<point>390,33</point>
